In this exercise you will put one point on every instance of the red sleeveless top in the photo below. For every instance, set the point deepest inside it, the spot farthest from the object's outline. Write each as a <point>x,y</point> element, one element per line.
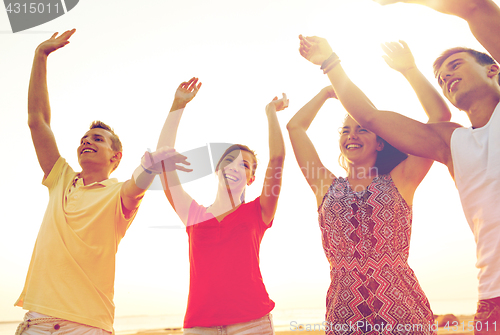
<point>226,285</point>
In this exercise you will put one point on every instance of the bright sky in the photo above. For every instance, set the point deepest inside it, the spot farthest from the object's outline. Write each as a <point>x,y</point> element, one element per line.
<point>122,67</point>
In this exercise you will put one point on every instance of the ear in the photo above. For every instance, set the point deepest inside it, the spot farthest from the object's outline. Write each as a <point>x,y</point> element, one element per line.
<point>380,145</point>
<point>250,182</point>
<point>116,157</point>
<point>492,70</point>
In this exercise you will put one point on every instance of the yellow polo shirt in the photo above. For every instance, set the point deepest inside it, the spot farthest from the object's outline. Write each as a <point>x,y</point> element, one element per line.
<point>72,270</point>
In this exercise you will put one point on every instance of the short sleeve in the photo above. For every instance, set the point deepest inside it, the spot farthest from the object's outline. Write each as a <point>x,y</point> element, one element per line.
<point>257,212</point>
<point>60,168</point>
<point>122,222</point>
<point>197,214</point>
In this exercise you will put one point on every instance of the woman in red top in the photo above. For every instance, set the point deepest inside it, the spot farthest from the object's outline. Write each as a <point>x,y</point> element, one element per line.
<point>226,291</point>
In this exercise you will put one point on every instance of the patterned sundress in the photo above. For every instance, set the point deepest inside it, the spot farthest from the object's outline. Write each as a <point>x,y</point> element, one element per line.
<point>366,238</point>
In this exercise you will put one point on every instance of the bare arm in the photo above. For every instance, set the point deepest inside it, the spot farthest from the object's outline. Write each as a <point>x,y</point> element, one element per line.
<point>174,191</point>
<point>317,175</point>
<point>39,106</point>
<point>483,17</point>
<point>399,57</point>
<point>133,190</point>
<point>410,173</point>
<point>274,172</point>
<point>410,136</point>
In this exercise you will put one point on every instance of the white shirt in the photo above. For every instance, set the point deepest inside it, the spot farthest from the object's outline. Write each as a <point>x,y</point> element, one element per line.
<point>476,163</point>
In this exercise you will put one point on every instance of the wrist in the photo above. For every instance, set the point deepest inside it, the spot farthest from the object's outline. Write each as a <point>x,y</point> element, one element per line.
<point>270,109</point>
<point>409,71</point>
<point>178,104</point>
<point>40,54</point>
<point>325,94</point>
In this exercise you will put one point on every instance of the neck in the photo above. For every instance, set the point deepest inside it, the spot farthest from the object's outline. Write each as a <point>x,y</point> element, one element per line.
<point>480,111</point>
<point>91,176</point>
<point>226,200</point>
<point>361,172</point>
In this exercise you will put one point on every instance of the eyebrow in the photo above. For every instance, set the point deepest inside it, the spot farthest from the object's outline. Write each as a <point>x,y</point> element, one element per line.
<point>448,66</point>
<point>93,135</point>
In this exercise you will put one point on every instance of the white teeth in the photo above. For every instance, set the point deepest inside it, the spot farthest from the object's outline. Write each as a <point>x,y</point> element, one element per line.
<point>453,84</point>
<point>231,178</point>
<point>351,146</point>
<point>87,150</point>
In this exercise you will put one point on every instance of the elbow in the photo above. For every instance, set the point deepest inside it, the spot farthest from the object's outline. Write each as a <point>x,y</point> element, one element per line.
<point>445,117</point>
<point>36,120</point>
<point>472,6</point>
<point>366,119</point>
<point>278,159</point>
<point>291,125</point>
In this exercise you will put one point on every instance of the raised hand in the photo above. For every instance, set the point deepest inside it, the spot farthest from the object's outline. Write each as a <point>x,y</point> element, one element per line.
<point>277,105</point>
<point>187,91</point>
<point>54,43</point>
<point>398,56</point>
<point>314,49</point>
<point>152,161</point>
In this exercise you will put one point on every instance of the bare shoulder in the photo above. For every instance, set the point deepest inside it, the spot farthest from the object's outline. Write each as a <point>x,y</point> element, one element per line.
<point>444,129</point>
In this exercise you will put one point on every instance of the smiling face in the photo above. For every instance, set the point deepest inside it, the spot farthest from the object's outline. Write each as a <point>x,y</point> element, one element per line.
<point>96,150</point>
<point>463,80</point>
<point>358,145</point>
<point>236,169</point>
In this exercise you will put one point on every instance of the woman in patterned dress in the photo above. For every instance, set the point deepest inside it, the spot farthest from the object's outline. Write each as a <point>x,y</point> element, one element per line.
<point>365,218</point>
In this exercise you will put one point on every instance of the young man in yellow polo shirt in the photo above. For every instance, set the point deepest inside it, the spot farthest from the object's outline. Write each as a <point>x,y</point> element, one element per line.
<point>69,286</point>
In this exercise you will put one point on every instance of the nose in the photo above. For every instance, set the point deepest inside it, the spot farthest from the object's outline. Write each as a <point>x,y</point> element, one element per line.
<point>445,76</point>
<point>352,135</point>
<point>233,166</point>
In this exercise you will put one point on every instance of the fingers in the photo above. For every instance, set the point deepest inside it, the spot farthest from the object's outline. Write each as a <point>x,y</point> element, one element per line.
<point>66,35</point>
<point>148,159</point>
<point>303,51</point>
<point>190,85</point>
<point>385,48</point>
<point>307,40</point>
<point>405,45</point>
<point>182,168</point>
<point>387,60</point>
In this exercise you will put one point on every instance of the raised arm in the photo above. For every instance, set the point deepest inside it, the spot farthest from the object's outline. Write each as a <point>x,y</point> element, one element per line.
<point>174,191</point>
<point>151,165</point>
<point>410,173</point>
<point>274,173</point>
<point>483,17</point>
<point>399,57</point>
<point>410,136</point>
<point>38,103</point>
<point>317,175</point>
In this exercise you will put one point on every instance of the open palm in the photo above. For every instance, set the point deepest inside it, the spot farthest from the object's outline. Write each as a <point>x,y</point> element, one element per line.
<point>187,90</point>
<point>54,43</point>
<point>314,49</point>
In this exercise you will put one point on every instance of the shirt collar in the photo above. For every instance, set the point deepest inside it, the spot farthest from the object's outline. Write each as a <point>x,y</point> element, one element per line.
<point>78,182</point>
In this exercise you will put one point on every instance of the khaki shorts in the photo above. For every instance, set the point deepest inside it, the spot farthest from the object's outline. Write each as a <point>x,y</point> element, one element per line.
<point>40,324</point>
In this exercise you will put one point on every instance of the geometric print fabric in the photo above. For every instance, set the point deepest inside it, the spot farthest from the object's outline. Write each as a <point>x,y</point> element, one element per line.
<point>366,239</point>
